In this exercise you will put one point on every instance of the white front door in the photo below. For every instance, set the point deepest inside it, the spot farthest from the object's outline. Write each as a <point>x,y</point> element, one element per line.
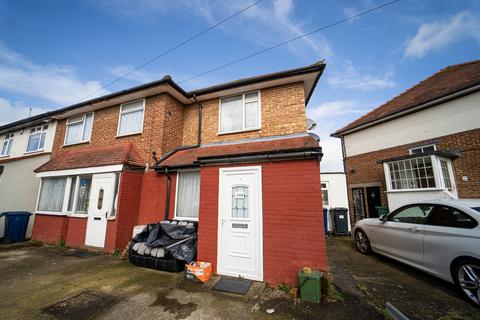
<point>101,195</point>
<point>240,229</point>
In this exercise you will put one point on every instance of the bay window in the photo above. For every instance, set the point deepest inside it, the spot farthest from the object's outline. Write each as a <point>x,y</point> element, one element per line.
<point>79,129</point>
<point>420,173</point>
<point>52,194</point>
<point>131,118</point>
<point>240,113</point>
<point>7,145</point>
<point>188,195</point>
<point>36,139</point>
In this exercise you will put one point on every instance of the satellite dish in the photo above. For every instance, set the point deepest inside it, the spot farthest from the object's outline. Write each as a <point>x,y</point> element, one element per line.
<point>314,136</point>
<point>311,124</point>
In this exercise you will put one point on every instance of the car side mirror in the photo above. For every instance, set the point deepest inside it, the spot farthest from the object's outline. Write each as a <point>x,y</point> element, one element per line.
<point>383,217</point>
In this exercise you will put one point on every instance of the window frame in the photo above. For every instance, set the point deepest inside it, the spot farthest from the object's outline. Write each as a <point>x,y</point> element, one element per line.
<point>41,131</point>
<point>9,137</point>
<point>130,111</point>
<point>259,99</point>
<point>175,216</point>
<point>422,148</point>
<point>84,116</point>
<point>437,174</point>
<point>327,190</point>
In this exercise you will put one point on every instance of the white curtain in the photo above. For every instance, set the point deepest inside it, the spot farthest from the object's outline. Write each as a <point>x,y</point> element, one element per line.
<point>88,127</point>
<point>74,133</point>
<point>131,122</point>
<point>51,195</point>
<point>231,115</point>
<point>188,198</point>
<point>252,115</point>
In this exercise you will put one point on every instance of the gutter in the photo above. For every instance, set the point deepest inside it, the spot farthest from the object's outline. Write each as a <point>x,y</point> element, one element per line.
<point>426,105</point>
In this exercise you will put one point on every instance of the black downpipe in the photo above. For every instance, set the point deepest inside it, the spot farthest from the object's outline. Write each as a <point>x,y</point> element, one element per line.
<point>165,172</point>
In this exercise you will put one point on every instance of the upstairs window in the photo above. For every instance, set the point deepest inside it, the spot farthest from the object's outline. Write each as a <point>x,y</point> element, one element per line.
<point>79,129</point>
<point>7,145</point>
<point>131,118</point>
<point>36,140</point>
<point>423,149</point>
<point>240,113</point>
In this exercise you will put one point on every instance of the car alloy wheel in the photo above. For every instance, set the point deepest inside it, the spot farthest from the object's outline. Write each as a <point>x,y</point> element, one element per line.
<point>468,278</point>
<point>362,242</point>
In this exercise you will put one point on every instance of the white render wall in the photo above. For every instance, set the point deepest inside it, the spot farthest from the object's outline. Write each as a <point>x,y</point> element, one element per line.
<point>454,116</point>
<point>20,140</point>
<point>397,199</point>
<point>337,192</point>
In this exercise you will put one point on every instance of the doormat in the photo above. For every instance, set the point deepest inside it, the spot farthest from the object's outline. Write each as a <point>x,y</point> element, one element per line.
<point>233,285</point>
<point>80,254</point>
<point>85,305</point>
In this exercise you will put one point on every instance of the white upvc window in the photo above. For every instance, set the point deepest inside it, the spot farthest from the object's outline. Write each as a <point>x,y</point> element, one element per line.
<point>79,129</point>
<point>423,149</point>
<point>325,198</point>
<point>187,195</point>
<point>240,113</point>
<point>131,118</point>
<point>421,173</point>
<point>7,145</point>
<point>36,139</point>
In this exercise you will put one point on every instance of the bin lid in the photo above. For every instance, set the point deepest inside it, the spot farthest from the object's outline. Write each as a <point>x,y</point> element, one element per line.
<point>15,213</point>
<point>315,274</point>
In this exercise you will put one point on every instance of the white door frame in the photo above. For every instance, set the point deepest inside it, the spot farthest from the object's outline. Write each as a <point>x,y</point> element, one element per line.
<point>258,223</point>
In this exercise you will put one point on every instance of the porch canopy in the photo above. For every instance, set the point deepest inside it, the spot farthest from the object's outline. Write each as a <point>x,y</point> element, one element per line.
<point>268,149</point>
<point>118,154</point>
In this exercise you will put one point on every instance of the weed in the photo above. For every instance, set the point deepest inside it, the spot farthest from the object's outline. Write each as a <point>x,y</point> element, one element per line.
<point>116,253</point>
<point>61,243</point>
<point>284,287</point>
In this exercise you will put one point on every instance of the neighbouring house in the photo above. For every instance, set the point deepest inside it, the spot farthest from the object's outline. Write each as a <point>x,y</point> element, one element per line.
<point>423,144</point>
<point>24,146</point>
<point>334,194</point>
<point>236,157</point>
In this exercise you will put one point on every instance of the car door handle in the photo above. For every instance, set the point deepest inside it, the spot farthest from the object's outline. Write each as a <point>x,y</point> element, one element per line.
<point>413,229</point>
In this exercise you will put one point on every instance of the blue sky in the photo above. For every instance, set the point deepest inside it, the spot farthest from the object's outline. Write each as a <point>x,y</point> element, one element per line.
<point>55,53</point>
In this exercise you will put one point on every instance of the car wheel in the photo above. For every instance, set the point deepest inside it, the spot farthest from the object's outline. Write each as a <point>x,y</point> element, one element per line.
<point>362,242</point>
<point>466,275</point>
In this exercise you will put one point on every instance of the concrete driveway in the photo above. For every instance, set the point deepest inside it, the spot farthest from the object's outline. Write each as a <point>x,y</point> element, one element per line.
<point>44,282</point>
<point>379,280</point>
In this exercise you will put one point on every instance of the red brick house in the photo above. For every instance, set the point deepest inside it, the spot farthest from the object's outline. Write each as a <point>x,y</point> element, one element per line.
<point>236,157</point>
<point>419,146</point>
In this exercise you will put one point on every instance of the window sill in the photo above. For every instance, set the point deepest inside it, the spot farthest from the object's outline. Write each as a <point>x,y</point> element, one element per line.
<point>111,218</point>
<point>34,151</point>
<point>128,134</point>
<point>238,131</point>
<point>77,215</point>
<point>185,219</point>
<point>47,213</point>
<point>76,143</point>
<point>4,156</point>
<point>416,190</point>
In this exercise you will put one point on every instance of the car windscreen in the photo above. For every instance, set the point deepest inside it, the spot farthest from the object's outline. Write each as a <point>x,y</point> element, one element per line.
<point>476,209</point>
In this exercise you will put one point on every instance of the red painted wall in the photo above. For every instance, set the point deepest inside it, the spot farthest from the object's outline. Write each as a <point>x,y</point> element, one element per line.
<point>152,204</point>
<point>292,218</point>
<point>75,235</point>
<point>49,228</point>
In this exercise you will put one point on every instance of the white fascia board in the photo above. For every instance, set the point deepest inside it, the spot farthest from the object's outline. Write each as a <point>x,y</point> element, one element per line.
<point>73,172</point>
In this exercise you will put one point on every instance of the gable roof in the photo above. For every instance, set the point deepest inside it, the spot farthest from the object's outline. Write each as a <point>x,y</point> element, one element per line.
<point>192,156</point>
<point>446,82</point>
<point>308,74</point>
<point>125,154</point>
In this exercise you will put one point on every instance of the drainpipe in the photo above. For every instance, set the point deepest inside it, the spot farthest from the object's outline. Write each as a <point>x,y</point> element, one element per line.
<point>167,197</point>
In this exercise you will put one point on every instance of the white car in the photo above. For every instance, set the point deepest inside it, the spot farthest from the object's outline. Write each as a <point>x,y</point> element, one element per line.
<point>439,237</point>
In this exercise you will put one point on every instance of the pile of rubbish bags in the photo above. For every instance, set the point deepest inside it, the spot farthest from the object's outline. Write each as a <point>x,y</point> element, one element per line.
<point>167,240</point>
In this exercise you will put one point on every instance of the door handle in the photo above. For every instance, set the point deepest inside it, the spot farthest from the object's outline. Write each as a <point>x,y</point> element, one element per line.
<point>413,229</point>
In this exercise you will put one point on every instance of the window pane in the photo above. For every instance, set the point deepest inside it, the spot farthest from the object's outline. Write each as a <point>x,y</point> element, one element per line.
<point>251,96</point>
<point>51,195</point>
<point>240,202</point>
<point>132,105</point>
<point>131,122</point>
<point>34,142</point>
<point>87,131</point>
<point>75,119</point>
<point>446,174</point>
<point>231,114</point>
<point>72,193</point>
<point>100,199</point>
<point>83,194</point>
<point>74,133</point>
<point>188,198</point>
<point>252,115</point>
<point>324,197</point>
<point>412,174</point>
<point>416,214</point>
<point>428,149</point>
<point>449,217</point>
<point>115,194</point>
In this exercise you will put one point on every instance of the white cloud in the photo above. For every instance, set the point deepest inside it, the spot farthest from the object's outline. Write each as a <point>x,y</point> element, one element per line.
<point>350,78</point>
<point>15,111</point>
<point>334,109</point>
<point>264,24</point>
<point>439,34</point>
<point>59,84</point>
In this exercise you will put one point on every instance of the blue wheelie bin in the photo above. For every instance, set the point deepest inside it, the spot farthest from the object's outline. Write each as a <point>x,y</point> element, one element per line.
<point>16,223</point>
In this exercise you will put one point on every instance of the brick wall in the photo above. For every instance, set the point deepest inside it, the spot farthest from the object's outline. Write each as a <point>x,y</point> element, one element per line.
<point>365,168</point>
<point>292,219</point>
<point>49,228</point>
<point>75,234</point>
<point>152,204</point>
<point>283,112</point>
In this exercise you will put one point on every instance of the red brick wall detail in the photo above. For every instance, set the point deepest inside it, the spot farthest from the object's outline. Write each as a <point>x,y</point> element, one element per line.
<point>49,228</point>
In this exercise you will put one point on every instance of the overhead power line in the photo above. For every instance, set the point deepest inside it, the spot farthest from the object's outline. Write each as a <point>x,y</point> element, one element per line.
<point>184,42</point>
<point>291,40</point>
